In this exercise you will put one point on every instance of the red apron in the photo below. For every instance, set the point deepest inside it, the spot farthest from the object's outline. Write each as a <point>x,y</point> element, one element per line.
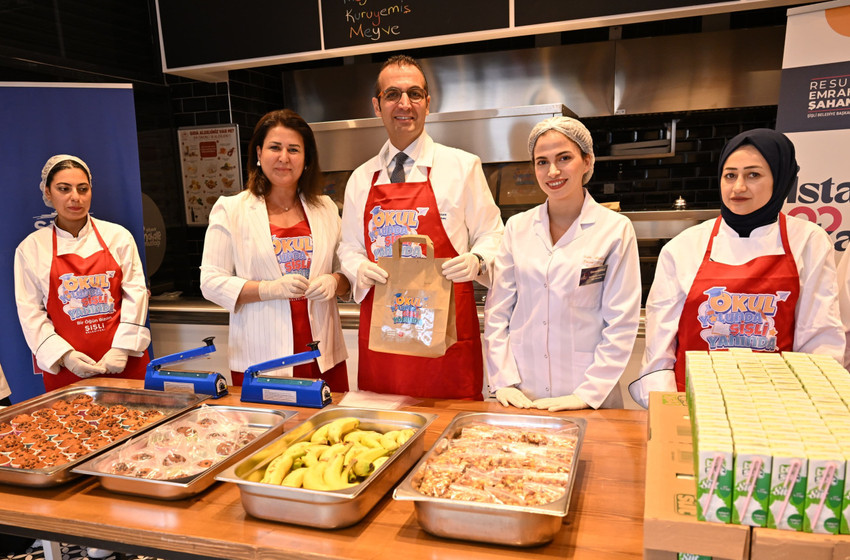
<point>293,247</point>
<point>751,305</point>
<point>84,304</point>
<point>396,209</point>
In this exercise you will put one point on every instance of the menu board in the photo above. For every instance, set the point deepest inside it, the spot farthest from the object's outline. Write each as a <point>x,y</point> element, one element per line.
<point>347,23</point>
<point>211,167</point>
<point>530,12</point>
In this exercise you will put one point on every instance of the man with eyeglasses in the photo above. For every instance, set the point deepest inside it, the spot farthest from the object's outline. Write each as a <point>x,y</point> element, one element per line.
<point>417,186</point>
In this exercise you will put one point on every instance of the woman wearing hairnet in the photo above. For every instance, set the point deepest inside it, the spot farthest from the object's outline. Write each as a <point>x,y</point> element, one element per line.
<point>562,315</point>
<point>79,286</point>
<point>750,278</point>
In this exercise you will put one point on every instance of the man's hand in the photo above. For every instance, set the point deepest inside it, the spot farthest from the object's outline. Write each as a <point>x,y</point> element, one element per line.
<point>462,268</point>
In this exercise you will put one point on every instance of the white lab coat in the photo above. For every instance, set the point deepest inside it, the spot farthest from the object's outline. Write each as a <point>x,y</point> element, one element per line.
<point>818,323</point>
<point>544,332</point>
<point>844,302</point>
<point>469,215</point>
<point>238,248</point>
<point>33,259</point>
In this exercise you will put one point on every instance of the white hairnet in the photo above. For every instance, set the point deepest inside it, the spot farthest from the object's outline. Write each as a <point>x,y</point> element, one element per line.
<point>572,129</point>
<point>51,163</point>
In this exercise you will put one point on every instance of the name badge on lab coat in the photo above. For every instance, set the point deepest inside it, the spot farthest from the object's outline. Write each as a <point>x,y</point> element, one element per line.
<point>592,275</point>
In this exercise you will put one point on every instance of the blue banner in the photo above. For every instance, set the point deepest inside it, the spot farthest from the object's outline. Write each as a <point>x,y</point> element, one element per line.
<point>95,122</point>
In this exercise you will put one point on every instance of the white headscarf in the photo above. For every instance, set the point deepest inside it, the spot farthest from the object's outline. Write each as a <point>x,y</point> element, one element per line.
<point>572,129</point>
<point>51,163</point>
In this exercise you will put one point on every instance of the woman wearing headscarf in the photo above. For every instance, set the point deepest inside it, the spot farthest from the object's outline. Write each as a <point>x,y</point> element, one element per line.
<point>562,315</point>
<point>80,287</point>
<point>751,278</point>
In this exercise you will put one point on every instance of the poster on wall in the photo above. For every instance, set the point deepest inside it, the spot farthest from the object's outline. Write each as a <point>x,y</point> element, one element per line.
<point>814,111</point>
<point>211,167</point>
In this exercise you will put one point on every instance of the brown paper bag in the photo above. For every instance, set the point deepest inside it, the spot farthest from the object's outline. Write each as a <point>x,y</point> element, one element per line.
<point>413,313</point>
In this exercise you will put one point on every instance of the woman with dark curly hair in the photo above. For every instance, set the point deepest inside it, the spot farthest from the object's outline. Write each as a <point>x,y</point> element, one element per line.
<point>270,256</point>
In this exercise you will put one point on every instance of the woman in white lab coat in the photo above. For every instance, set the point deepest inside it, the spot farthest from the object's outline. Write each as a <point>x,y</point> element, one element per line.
<point>750,278</point>
<point>562,314</point>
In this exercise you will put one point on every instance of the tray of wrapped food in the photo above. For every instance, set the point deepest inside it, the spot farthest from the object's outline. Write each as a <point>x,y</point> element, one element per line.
<point>330,470</point>
<point>497,478</point>
<point>181,457</point>
<point>43,439</point>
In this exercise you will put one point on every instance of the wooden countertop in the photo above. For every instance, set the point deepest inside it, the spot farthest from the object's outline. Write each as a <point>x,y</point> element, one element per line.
<point>605,518</point>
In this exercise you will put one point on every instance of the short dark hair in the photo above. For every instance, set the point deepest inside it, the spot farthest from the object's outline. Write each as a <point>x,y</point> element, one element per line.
<point>310,182</point>
<point>399,60</point>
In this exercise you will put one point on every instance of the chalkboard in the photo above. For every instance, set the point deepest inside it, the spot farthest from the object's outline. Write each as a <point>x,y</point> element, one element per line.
<point>531,12</point>
<point>347,23</point>
<point>196,32</point>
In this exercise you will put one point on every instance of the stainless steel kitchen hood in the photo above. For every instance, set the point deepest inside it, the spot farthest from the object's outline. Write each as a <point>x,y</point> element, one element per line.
<point>494,135</point>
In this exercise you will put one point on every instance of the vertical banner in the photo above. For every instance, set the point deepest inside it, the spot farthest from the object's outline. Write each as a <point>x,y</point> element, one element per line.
<point>97,123</point>
<point>814,111</point>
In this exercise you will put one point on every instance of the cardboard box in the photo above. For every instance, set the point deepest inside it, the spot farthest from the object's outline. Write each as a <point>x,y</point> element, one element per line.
<point>670,525</point>
<point>772,544</point>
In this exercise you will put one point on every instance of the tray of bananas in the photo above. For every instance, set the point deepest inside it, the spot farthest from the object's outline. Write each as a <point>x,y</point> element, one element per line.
<point>330,470</point>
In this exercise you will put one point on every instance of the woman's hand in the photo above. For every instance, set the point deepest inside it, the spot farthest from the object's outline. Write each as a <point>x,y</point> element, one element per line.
<point>322,288</point>
<point>115,360</point>
<point>509,396</point>
<point>81,365</point>
<point>555,404</point>
<point>288,286</point>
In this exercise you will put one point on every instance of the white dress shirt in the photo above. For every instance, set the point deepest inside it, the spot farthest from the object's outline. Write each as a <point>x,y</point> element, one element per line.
<point>546,333</point>
<point>238,248</point>
<point>818,323</point>
<point>33,259</point>
<point>5,391</point>
<point>469,215</point>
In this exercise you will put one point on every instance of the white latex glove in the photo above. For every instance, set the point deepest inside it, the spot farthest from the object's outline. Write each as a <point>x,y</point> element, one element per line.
<point>81,365</point>
<point>288,286</point>
<point>554,404</point>
<point>462,268</point>
<point>322,288</point>
<point>115,360</point>
<point>369,274</point>
<point>511,396</point>
<point>662,380</point>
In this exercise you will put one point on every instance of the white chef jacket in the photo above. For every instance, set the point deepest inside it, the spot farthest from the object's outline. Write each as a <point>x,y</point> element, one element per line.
<point>818,323</point>
<point>238,248</point>
<point>33,259</point>
<point>546,333</point>
<point>844,302</point>
<point>5,391</point>
<point>469,215</point>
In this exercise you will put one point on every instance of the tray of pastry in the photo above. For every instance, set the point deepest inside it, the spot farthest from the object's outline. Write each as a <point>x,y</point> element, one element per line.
<point>181,457</point>
<point>44,438</point>
<point>497,478</point>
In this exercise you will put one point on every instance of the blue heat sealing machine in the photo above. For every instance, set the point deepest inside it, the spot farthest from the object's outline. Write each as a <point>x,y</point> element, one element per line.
<point>294,391</point>
<point>181,381</point>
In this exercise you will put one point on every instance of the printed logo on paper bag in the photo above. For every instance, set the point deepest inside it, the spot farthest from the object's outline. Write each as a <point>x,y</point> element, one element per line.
<point>86,296</point>
<point>294,254</point>
<point>385,226</point>
<point>407,310</point>
<point>739,320</point>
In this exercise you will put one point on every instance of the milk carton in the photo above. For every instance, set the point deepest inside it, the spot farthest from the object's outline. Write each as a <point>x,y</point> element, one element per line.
<point>824,489</point>
<point>787,486</point>
<point>751,495</point>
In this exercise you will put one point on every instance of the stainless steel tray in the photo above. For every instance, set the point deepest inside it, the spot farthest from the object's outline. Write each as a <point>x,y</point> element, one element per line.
<point>270,421</point>
<point>485,522</point>
<point>330,510</point>
<point>170,404</point>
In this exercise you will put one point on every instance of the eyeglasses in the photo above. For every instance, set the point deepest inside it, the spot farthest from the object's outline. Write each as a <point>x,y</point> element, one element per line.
<point>393,94</point>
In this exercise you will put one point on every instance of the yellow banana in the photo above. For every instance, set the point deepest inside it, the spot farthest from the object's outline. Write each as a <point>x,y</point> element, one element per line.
<point>335,449</point>
<point>357,435</point>
<point>295,478</point>
<point>403,435</point>
<point>335,476</point>
<point>340,427</point>
<point>314,477</point>
<point>372,440</point>
<point>355,450</point>
<point>321,434</point>
<point>363,466</point>
<point>277,469</point>
<point>388,441</point>
<point>312,456</point>
<point>379,461</point>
